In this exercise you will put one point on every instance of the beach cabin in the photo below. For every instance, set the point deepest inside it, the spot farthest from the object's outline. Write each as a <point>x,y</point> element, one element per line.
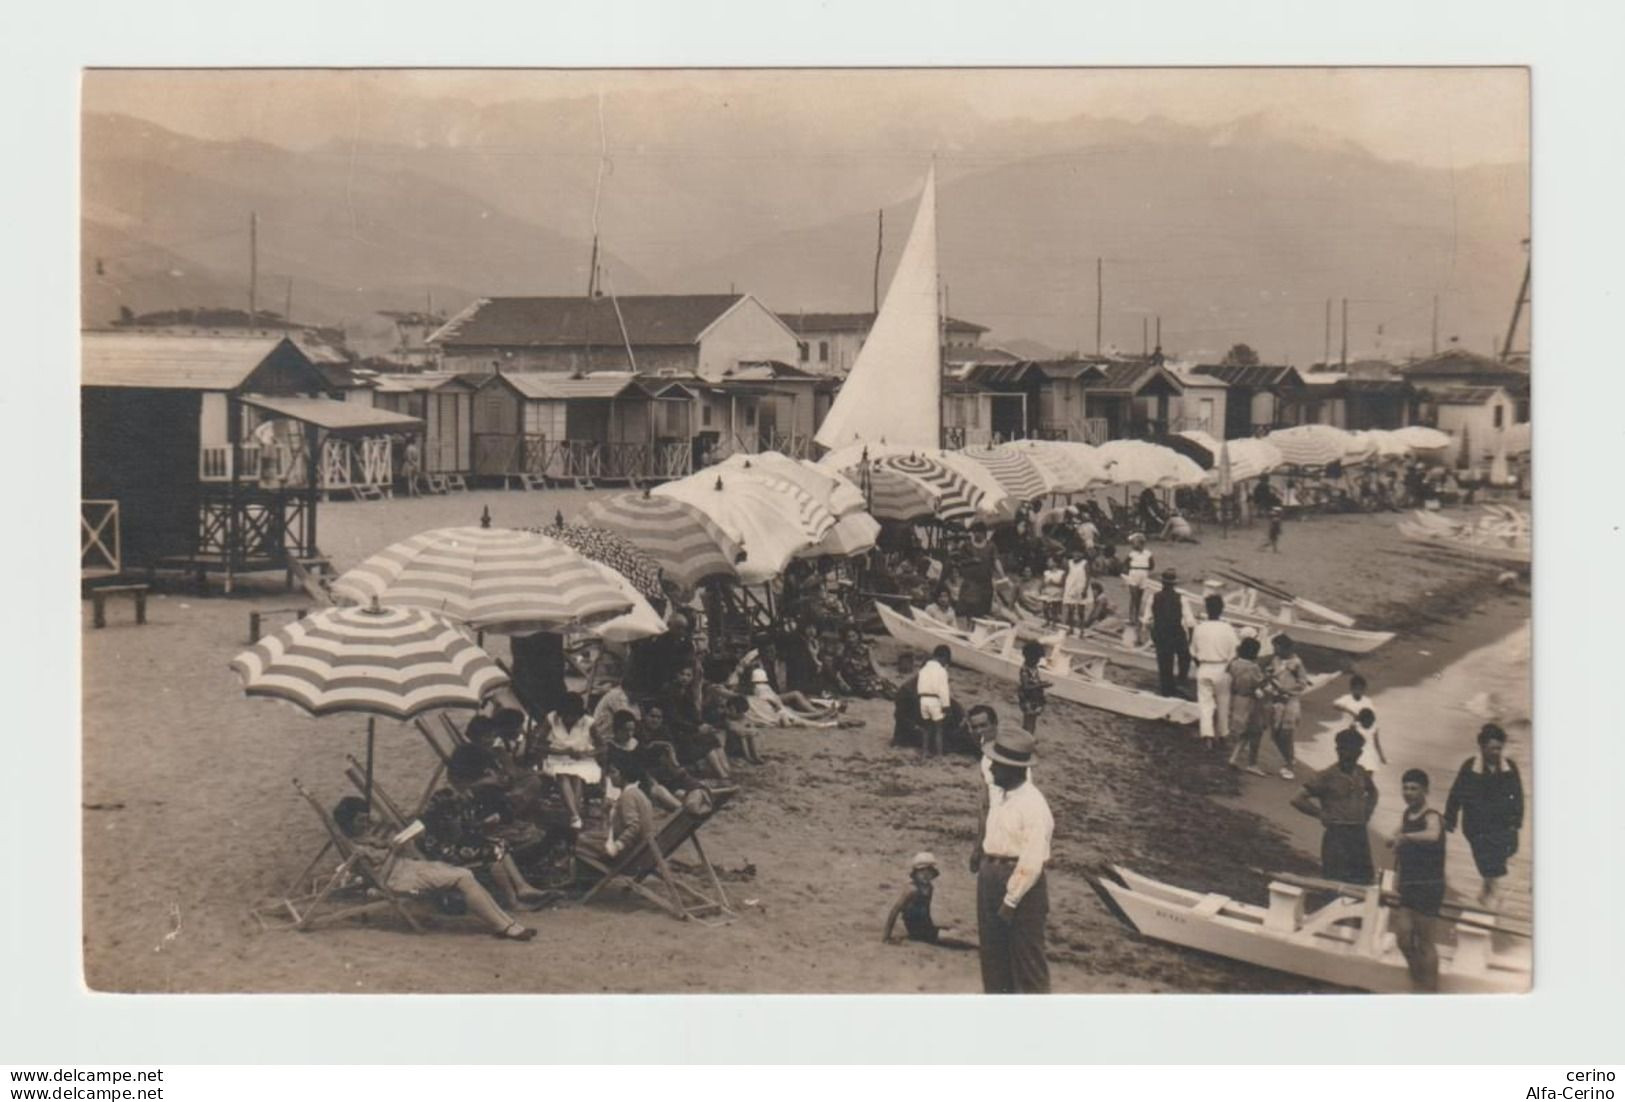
<point>612,426</point>
<point>1038,398</point>
<point>1256,395</point>
<point>967,412</point>
<point>445,404</point>
<point>1205,403</point>
<point>1477,418</point>
<point>759,406</point>
<point>1135,398</point>
<point>210,452</point>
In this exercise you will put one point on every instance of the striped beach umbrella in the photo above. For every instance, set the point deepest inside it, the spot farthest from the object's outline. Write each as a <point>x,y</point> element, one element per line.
<point>393,662</point>
<point>1018,475</point>
<point>495,579</point>
<point>831,489</point>
<point>1072,466</point>
<point>688,545</point>
<point>957,501</point>
<point>614,551</point>
<point>894,496</point>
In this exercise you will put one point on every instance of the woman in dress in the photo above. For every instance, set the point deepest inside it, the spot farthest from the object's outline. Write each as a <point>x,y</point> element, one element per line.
<point>572,759</point>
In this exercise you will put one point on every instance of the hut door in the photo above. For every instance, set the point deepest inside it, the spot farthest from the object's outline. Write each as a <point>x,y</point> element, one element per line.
<point>446,442</point>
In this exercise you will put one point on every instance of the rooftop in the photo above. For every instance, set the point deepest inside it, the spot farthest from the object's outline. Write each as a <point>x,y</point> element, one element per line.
<point>553,386</point>
<point>1460,363</point>
<point>574,320</point>
<point>1252,375</point>
<point>177,361</point>
<point>803,322</point>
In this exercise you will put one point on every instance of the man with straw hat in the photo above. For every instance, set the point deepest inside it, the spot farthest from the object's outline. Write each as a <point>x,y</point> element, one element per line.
<point>1012,897</point>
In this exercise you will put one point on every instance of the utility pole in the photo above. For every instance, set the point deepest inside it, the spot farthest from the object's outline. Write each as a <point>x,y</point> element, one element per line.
<point>1435,350</point>
<point>880,247</point>
<point>253,268</point>
<point>1159,332</point>
<point>1517,310</point>
<point>1099,298</point>
<point>1326,353</point>
<point>1343,359</point>
<point>1145,340</point>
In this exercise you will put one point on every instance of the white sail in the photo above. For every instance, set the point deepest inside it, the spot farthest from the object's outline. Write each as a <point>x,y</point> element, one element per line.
<point>894,392</point>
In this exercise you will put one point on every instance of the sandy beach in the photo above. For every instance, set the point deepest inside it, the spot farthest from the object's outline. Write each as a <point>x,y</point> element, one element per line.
<point>189,819</point>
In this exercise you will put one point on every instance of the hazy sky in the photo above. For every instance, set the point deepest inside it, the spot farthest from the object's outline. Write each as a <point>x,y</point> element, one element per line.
<point>1436,117</point>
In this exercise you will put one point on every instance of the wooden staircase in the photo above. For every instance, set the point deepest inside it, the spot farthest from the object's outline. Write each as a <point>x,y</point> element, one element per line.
<point>314,574</point>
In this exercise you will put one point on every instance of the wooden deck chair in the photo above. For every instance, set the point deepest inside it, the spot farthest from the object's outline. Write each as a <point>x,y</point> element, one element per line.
<point>435,483</point>
<point>355,889</point>
<point>534,481</point>
<point>686,897</point>
<point>457,482</point>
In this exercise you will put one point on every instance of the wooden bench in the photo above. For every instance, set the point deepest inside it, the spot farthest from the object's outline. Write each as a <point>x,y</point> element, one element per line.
<point>457,482</point>
<point>255,619</point>
<point>98,602</point>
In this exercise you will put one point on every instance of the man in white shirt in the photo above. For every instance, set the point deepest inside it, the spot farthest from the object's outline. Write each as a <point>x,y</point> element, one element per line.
<point>1213,645</point>
<point>934,700</point>
<point>1012,897</point>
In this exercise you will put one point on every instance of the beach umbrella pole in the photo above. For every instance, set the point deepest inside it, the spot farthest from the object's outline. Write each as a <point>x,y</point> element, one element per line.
<point>371,734</point>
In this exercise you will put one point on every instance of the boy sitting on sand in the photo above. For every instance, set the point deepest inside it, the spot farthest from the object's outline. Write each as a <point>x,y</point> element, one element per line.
<point>408,875</point>
<point>914,905</point>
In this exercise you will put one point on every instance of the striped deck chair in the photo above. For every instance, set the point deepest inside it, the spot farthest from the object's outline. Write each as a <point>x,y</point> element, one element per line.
<point>687,897</point>
<point>355,889</point>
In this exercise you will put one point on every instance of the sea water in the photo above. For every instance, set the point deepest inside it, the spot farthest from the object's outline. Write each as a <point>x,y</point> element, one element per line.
<point>1433,725</point>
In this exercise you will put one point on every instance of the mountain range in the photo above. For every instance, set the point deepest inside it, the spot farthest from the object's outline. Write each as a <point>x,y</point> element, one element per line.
<point>1229,234</point>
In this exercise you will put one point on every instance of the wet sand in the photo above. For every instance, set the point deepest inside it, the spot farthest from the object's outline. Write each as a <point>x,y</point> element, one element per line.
<point>189,818</point>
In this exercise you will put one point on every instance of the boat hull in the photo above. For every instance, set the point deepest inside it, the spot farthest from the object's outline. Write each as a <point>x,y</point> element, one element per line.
<point>1333,953</point>
<point>1079,690</point>
<point>1510,556</point>
<point>1325,636</point>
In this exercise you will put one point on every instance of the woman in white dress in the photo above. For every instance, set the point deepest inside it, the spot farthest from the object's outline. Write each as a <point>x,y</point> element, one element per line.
<point>571,756</point>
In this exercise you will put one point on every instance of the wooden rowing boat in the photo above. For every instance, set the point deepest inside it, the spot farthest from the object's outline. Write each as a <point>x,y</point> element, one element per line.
<point>1502,538</point>
<point>994,649</point>
<point>1346,942</point>
<point>1246,606</point>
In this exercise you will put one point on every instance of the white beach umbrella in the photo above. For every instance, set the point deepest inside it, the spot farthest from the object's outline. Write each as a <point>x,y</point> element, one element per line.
<point>770,518</point>
<point>1141,463</point>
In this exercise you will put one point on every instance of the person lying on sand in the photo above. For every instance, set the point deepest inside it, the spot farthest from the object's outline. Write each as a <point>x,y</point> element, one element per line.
<point>792,709</point>
<point>914,905</point>
<point>409,876</point>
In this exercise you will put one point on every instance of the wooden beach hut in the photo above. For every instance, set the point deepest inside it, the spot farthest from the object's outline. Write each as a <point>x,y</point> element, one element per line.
<point>210,452</point>
<point>564,428</point>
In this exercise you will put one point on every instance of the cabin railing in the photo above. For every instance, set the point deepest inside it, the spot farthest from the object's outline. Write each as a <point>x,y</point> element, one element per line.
<point>672,459</point>
<point>1086,430</point>
<point>100,545</point>
<point>349,463</point>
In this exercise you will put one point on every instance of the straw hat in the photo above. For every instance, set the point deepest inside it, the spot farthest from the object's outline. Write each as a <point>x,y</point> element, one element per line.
<point>923,860</point>
<point>758,676</point>
<point>1016,748</point>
